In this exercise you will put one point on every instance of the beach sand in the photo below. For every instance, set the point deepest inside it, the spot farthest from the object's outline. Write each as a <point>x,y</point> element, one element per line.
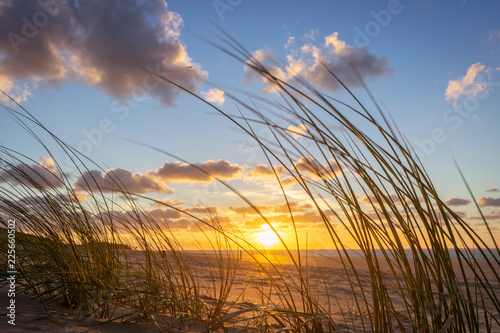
<point>250,284</point>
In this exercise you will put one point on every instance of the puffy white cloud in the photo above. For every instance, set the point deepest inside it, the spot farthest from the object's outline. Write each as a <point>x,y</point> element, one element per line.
<point>215,96</point>
<point>309,62</point>
<point>298,131</point>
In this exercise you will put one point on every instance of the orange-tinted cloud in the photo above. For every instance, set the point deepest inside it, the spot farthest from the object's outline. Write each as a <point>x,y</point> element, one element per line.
<point>494,189</point>
<point>308,217</point>
<point>492,215</point>
<point>167,202</point>
<point>488,201</point>
<point>184,172</point>
<point>295,207</point>
<point>214,96</point>
<point>118,180</point>
<point>164,213</point>
<point>298,131</point>
<point>202,210</point>
<point>262,171</point>
<point>471,85</point>
<point>248,210</point>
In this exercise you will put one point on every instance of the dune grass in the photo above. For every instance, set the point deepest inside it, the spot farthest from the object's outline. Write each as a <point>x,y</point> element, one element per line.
<point>129,266</point>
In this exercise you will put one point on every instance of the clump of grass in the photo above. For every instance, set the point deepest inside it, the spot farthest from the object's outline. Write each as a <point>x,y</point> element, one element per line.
<point>410,228</point>
<point>408,238</point>
<point>103,256</point>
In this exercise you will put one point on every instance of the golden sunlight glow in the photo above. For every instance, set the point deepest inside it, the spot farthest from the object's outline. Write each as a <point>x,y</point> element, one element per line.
<point>267,238</point>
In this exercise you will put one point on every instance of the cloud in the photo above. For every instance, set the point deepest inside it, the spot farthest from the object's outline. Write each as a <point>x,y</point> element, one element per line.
<point>289,42</point>
<point>304,165</point>
<point>293,206</point>
<point>284,207</point>
<point>202,210</point>
<point>493,35</point>
<point>18,93</point>
<point>308,217</point>
<point>471,85</point>
<point>44,174</point>
<point>117,180</point>
<point>311,167</point>
<point>165,213</point>
<point>312,34</point>
<point>492,215</point>
<point>299,131</point>
<point>215,96</point>
<point>494,189</point>
<point>169,218</point>
<point>488,201</point>
<point>457,202</point>
<point>48,45</point>
<point>309,62</point>
<point>370,199</point>
<point>461,214</point>
<point>262,171</point>
<point>248,210</point>
<point>184,172</point>
<point>78,196</point>
<point>168,202</point>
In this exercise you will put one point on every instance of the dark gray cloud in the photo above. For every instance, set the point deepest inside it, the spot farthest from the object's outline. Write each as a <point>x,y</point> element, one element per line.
<point>99,43</point>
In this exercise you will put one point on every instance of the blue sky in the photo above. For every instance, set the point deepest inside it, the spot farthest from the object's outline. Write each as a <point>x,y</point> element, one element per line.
<point>426,45</point>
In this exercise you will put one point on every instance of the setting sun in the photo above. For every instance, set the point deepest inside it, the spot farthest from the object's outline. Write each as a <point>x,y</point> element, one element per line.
<point>268,237</point>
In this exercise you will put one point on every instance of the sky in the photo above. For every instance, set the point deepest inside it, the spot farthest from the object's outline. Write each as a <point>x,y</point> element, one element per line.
<point>81,68</point>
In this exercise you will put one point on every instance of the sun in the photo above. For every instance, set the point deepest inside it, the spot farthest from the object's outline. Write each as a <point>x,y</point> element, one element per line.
<point>267,238</point>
